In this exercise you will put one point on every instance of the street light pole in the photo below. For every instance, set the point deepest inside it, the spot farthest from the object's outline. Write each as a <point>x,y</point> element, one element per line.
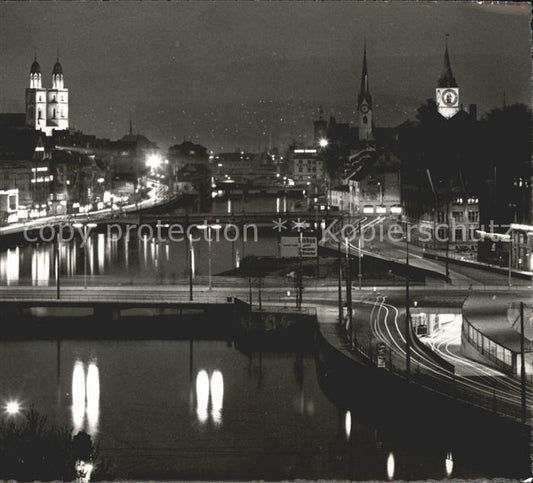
<point>510,260</point>
<point>209,256</point>
<point>85,256</point>
<point>360,271</point>
<point>300,275</point>
<point>58,268</point>
<point>190,267</point>
<point>447,256</point>
<point>339,280</point>
<point>407,312</point>
<point>259,295</point>
<point>349,293</point>
<point>522,365</point>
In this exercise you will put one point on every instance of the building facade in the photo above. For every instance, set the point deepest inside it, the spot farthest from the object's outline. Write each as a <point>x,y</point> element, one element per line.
<point>25,167</point>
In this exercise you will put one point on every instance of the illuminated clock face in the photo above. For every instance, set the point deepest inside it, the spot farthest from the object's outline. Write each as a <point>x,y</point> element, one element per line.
<point>364,108</point>
<point>449,97</point>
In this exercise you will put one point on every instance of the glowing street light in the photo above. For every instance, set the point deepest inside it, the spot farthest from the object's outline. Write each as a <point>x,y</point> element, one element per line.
<point>153,161</point>
<point>12,408</point>
<point>323,143</point>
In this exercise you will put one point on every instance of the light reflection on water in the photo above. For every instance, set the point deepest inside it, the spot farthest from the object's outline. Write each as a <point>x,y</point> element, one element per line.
<point>390,466</point>
<point>202,395</point>
<point>209,390</point>
<point>78,397</point>
<point>127,262</point>
<point>449,464</point>
<point>217,396</point>
<point>93,398</point>
<point>348,424</point>
<point>125,259</point>
<point>85,398</point>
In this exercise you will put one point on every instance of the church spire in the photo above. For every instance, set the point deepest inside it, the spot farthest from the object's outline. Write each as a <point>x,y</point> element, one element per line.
<point>364,104</point>
<point>446,78</point>
<point>364,92</point>
<point>35,73</point>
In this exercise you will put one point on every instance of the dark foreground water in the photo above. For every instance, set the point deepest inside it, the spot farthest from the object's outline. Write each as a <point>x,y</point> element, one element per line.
<point>206,410</point>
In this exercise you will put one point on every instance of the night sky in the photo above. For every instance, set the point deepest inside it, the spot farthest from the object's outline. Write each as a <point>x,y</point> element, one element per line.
<point>235,75</point>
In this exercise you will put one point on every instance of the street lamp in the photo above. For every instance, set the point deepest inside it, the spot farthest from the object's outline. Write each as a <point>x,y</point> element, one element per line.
<point>502,238</point>
<point>407,311</point>
<point>12,408</point>
<point>86,241</point>
<point>153,161</point>
<point>209,228</point>
<point>323,143</point>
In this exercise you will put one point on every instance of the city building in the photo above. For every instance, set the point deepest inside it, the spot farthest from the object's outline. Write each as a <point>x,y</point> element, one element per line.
<point>25,167</point>
<point>307,167</point>
<point>81,182</point>
<point>339,198</point>
<point>129,160</point>
<point>375,183</point>
<point>9,206</point>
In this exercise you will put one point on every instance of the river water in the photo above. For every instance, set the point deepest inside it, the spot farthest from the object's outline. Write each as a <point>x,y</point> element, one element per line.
<point>139,257</point>
<point>206,410</point>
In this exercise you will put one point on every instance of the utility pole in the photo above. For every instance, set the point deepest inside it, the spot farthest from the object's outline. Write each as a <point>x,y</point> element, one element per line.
<point>522,365</point>
<point>407,311</point>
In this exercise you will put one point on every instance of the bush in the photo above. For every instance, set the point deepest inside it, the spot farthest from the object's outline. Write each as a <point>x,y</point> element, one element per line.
<point>32,449</point>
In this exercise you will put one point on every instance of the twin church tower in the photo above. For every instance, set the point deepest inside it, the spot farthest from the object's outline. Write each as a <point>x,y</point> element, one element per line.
<point>47,109</point>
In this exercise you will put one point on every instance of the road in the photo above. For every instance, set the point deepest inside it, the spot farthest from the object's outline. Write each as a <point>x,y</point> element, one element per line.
<point>387,324</point>
<point>153,200</point>
<point>378,241</point>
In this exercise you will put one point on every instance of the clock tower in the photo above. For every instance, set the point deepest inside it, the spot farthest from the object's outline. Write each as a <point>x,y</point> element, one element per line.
<point>364,105</point>
<point>447,92</point>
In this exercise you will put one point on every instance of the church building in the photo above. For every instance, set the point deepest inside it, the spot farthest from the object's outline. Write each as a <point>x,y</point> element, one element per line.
<point>447,92</point>
<point>47,108</point>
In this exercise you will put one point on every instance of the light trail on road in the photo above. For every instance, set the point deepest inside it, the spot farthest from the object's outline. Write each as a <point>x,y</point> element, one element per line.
<point>510,391</point>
